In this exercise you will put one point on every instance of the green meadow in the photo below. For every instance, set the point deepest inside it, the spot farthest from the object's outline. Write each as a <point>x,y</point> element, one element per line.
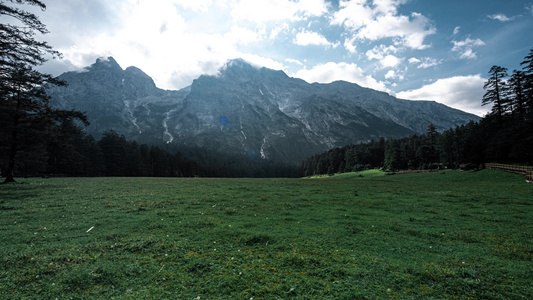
<point>449,234</point>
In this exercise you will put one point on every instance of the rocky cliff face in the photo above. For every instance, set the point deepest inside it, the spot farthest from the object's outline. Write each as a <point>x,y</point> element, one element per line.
<point>126,101</point>
<point>258,112</point>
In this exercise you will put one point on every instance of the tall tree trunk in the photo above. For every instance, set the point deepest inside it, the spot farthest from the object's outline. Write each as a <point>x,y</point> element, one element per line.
<point>499,104</point>
<point>14,144</point>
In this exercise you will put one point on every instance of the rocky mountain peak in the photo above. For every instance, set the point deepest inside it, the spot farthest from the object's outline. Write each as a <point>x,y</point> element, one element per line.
<point>238,63</point>
<point>105,63</point>
<point>238,69</point>
<point>135,77</point>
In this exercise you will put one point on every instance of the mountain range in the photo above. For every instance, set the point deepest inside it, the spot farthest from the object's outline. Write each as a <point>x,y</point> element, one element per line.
<point>258,112</point>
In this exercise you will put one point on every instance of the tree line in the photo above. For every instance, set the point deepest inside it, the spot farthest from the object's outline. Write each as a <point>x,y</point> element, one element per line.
<point>70,152</point>
<point>504,135</point>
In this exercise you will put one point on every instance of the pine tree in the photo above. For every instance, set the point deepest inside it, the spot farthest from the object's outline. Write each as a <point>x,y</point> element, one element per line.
<point>392,155</point>
<point>495,94</point>
<point>516,89</point>
<point>114,152</point>
<point>528,83</point>
<point>24,104</point>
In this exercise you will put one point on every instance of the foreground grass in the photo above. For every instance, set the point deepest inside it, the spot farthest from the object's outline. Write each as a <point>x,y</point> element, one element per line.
<point>443,235</point>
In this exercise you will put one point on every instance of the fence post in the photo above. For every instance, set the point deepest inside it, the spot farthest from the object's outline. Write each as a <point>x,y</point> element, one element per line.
<point>529,176</point>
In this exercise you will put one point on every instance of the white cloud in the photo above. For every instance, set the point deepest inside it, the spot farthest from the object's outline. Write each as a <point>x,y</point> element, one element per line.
<point>379,52</point>
<point>424,63</point>
<point>353,14</point>
<point>278,29</point>
<point>467,43</point>
<point>349,44</point>
<point>390,61</point>
<point>529,7</point>
<point>429,62</point>
<point>456,30</point>
<point>196,5</point>
<point>314,8</point>
<point>329,72</point>
<point>242,35</point>
<point>261,11</point>
<point>382,21</point>
<point>412,32</point>
<point>388,6</point>
<point>500,17</point>
<point>461,92</point>
<point>466,47</point>
<point>261,61</point>
<point>294,61</point>
<point>391,74</point>
<point>468,54</point>
<point>382,53</point>
<point>306,38</point>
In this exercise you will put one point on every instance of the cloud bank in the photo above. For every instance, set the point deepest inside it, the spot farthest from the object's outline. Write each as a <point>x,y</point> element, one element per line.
<point>461,92</point>
<point>389,45</point>
<point>329,72</point>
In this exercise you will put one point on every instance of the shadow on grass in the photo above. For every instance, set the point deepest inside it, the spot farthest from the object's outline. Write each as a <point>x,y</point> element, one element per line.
<point>13,191</point>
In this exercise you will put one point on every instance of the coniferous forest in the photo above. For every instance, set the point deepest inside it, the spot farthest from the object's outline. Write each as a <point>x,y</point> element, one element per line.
<point>69,152</point>
<point>504,135</point>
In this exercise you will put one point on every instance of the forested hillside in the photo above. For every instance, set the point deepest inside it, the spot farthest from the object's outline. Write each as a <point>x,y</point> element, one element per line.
<point>70,152</point>
<point>504,135</point>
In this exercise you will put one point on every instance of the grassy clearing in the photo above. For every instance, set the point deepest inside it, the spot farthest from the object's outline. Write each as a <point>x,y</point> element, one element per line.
<point>444,235</point>
<point>350,175</point>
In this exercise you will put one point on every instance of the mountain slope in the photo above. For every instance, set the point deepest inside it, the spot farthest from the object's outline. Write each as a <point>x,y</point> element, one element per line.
<point>126,101</point>
<point>258,112</point>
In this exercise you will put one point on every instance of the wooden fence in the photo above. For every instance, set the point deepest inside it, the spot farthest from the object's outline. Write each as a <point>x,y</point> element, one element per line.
<point>510,168</point>
<point>526,170</point>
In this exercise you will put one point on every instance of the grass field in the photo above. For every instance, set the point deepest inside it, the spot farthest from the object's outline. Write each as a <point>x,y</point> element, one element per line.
<point>448,234</point>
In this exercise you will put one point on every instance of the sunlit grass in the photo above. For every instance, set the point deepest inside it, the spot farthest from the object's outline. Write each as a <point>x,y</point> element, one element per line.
<point>349,175</point>
<point>445,235</point>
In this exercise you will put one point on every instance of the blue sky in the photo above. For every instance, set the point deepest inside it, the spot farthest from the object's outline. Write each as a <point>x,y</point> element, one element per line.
<point>414,49</point>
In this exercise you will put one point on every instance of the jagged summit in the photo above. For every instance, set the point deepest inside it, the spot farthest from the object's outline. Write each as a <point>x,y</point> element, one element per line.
<point>238,62</point>
<point>106,63</point>
<point>243,69</point>
<point>245,109</point>
<point>238,69</point>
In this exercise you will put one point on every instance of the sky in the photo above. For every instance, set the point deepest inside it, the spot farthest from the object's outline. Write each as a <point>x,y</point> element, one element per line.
<point>412,49</point>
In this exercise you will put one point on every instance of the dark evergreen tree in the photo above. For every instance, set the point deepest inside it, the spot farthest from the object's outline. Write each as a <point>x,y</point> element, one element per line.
<point>496,92</point>
<point>23,101</point>
<point>517,97</point>
<point>527,67</point>
<point>392,155</point>
<point>64,156</point>
<point>114,152</point>
<point>146,161</point>
<point>160,162</point>
<point>94,164</point>
<point>427,152</point>
<point>408,150</point>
